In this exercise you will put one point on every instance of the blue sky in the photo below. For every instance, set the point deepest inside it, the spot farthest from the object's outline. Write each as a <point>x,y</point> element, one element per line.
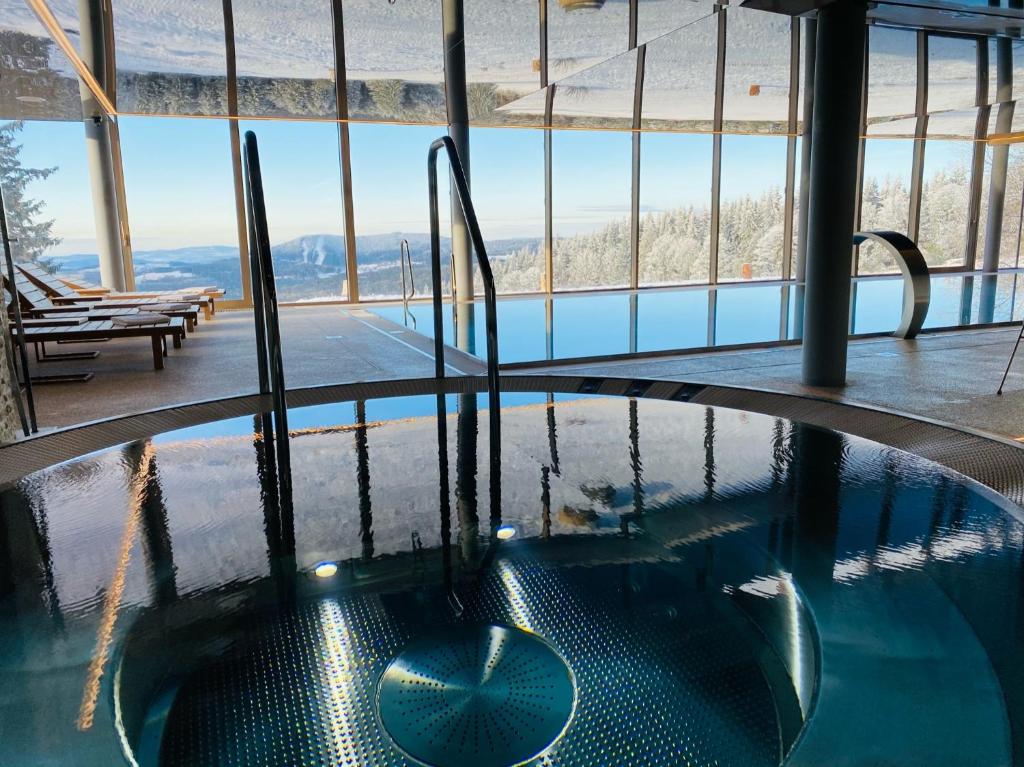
<point>179,180</point>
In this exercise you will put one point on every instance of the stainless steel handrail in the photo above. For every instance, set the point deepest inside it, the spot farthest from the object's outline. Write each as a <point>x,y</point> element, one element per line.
<point>405,256</point>
<point>270,363</point>
<point>490,298</point>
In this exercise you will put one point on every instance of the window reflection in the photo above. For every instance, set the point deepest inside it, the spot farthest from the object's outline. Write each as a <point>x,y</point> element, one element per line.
<point>756,89</point>
<point>892,72</point>
<point>394,60</point>
<point>180,71</point>
<point>284,54</point>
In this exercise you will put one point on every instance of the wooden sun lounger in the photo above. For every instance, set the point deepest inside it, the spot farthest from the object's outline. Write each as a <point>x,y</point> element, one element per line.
<point>60,294</point>
<point>92,330</point>
<point>35,302</point>
<point>66,289</point>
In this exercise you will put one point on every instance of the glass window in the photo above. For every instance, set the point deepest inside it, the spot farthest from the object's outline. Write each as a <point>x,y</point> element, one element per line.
<point>502,56</point>
<point>655,18</point>
<point>508,192</point>
<point>952,73</point>
<point>679,78</point>
<point>599,97</point>
<point>36,80</point>
<point>302,187</point>
<point>756,89</point>
<point>284,53</point>
<point>181,203</point>
<point>389,190</point>
<point>945,197</point>
<point>892,72</point>
<point>61,231</point>
<point>675,208</point>
<point>394,60</point>
<point>885,198</point>
<point>750,238</point>
<point>591,202</point>
<point>1010,253</point>
<point>582,33</point>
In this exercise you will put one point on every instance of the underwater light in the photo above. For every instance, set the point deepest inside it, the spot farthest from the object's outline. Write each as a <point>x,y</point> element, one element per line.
<point>505,532</point>
<point>325,569</point>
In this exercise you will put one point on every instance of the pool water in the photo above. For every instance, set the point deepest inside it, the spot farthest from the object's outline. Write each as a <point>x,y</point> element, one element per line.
<point>588,325</point>
<point>663,583</point>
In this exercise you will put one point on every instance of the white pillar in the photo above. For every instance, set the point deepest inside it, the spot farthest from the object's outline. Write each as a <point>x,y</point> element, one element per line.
<point>99,154</point>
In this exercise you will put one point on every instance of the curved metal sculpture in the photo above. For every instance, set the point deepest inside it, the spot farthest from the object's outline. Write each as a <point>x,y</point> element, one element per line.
<point>917,286</point>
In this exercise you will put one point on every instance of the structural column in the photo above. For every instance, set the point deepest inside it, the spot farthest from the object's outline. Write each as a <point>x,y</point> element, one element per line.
<point>99,153</point>
<point>838,79</point>
<point>458,129</point>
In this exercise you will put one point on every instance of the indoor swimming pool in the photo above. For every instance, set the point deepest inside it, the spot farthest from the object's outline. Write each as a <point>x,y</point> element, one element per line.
<point>598,324</point>
<point>635,581</point>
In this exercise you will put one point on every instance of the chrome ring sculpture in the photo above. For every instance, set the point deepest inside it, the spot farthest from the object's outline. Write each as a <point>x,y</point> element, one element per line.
<point>916,278</point>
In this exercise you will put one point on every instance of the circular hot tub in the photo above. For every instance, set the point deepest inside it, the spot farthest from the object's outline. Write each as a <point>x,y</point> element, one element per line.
<point>632,581</point>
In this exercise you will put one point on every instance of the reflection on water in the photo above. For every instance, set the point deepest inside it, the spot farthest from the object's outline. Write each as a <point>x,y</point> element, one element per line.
<point>692,318</point>
<point>646,537</point>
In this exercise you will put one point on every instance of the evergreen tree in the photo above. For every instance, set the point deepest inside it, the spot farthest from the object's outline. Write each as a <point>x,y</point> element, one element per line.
<point>34,234</point>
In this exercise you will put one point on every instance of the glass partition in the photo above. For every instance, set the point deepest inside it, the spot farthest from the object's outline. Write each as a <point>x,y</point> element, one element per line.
<point>284,54</point>
<point>885,198</point>
<point>180,188</point>
<point>302,187</point>
<point>49,212</point>
<point>591,179</point>
<point>945,198</point>
<point>389,190</point>
<point>750,238</point>
<point>675,208</point>
<point>508,192</point>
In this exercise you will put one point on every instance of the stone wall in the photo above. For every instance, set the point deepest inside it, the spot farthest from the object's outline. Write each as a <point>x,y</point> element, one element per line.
<point>8,406</point>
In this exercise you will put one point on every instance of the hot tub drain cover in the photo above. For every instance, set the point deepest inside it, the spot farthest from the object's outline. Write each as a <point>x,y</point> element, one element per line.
<point>488,696</point>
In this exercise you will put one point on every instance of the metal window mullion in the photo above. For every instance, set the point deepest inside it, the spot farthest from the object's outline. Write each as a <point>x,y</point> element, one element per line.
<point>633,18</point>
<point>634,218</point>
<point>716,151</point>
<point>241,227</point>
<point>978,154</point>
<point>345,151</point>
<point>920,132</point>
<point>790,193</point>
<point>858,210</point>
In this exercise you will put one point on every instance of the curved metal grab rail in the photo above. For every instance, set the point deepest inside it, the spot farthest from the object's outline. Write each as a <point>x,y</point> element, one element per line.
<point>268,334</point>
<point>917,286</point>
<point>405,257</point>
<point>490,299</point>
